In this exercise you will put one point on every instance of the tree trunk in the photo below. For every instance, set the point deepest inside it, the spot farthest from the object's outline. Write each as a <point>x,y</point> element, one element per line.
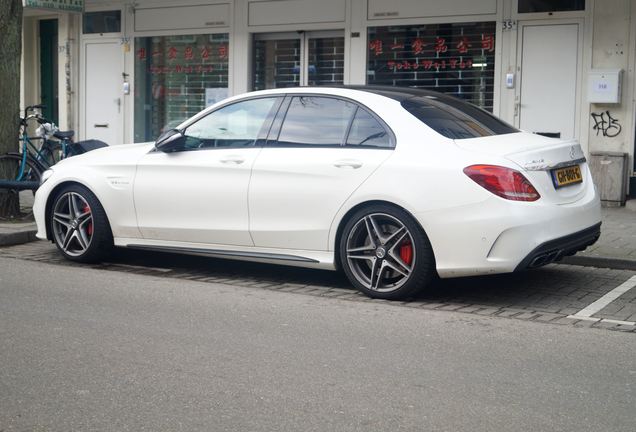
<point>10,57</point>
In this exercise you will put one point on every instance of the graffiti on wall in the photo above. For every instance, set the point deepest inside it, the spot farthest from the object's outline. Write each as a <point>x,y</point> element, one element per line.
<point>605,124</point>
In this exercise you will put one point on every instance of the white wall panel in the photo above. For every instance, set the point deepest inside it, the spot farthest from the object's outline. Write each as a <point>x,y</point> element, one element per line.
<point>275,12</point>
<point>182,17</point>
<point>382,9</point>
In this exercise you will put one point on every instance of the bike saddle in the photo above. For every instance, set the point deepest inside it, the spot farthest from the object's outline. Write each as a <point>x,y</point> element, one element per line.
<point>64,134</point>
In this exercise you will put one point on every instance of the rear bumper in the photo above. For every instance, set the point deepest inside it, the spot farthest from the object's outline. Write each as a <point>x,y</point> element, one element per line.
<point>497,236</point>
<point>556,249</point>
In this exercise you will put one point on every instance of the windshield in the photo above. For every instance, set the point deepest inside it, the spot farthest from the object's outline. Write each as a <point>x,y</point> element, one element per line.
<point>454,118</point>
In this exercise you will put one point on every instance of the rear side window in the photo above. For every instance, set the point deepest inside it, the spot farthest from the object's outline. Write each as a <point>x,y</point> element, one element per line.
<point>455,119</point>
<point>366,131</point>
<point>316,121</point>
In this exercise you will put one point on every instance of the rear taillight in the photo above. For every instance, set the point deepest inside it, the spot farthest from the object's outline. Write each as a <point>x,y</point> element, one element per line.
<point>504,182</point>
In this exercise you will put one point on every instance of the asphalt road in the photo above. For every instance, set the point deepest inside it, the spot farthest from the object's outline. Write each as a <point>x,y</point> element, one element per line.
<point>90,350</point>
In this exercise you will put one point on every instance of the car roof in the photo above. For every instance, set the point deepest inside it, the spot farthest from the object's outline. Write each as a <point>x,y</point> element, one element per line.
<point>397,93</point>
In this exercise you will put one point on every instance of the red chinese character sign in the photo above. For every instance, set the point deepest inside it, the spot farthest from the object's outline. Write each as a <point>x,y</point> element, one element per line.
<point>462,46</point>
<point>457,58</point>
<point>183,59</point>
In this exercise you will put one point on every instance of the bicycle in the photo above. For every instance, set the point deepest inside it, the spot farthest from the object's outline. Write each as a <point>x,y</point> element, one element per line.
<point>20,172</point>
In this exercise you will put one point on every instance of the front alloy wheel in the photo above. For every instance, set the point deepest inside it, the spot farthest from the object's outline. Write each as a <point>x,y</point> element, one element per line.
<point>79,225</point>
<point>385,253</point>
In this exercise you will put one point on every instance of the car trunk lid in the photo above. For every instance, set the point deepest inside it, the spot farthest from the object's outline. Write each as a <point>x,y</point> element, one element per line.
<point>540,159</point>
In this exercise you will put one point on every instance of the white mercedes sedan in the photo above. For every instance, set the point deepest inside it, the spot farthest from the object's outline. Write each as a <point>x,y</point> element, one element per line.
<point>394,186</point>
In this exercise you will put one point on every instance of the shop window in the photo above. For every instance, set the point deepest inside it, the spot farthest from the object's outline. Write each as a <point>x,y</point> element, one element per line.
<point>457,59</point>
<point>326,61</point>
<point>101,22</point>
<point>298,59</point>
<point>308,114</point>
<point>530,6</point>
<point>175,78</point>
<point>276,63</point>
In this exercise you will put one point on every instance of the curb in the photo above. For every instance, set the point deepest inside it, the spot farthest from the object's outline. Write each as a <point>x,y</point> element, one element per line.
<point>17,237</point>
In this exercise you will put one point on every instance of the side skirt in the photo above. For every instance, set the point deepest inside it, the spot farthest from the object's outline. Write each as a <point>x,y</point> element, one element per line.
<point>225,254</point>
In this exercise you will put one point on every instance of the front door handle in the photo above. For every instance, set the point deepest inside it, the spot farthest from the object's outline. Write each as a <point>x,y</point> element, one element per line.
<point>347,163</point>
<point>233,160</point>
<point>100,125</point>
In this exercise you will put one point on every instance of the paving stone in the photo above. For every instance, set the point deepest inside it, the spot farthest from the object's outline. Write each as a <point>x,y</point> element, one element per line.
<point>469,309</point>
<point>527,315</point>
<point>547,317</point>
<point>509,313</point>
<point>568,311</point>
<point>428,305</point>
<point>452,307</point>
<point>487,311</point>
<point>565,321</point>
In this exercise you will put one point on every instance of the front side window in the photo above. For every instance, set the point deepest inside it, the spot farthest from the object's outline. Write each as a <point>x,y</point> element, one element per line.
<point>316,121</point>
<point>455,119</point>
<point>236,125</point>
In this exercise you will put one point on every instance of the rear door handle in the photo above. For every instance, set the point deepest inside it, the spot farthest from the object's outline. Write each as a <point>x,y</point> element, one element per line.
<point>100,125</point>
<point>233,160</point>
<point>347,163</point>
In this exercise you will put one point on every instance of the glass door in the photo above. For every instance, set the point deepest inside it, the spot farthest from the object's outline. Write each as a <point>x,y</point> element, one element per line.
<point>298,59</point>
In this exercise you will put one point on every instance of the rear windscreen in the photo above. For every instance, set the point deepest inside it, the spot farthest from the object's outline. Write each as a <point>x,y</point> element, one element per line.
<point>455,119</point>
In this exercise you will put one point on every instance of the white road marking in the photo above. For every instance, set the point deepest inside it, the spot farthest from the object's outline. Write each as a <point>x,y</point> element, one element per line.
<point>587,312</point>
<point>611,321</point>
<point>584,318</point>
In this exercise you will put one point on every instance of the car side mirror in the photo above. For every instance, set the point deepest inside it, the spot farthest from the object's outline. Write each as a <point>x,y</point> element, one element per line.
<point>170,141</point>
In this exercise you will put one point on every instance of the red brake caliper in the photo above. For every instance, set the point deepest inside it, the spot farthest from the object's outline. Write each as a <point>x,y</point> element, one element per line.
<point>89,228</point>
<point>406,252</point>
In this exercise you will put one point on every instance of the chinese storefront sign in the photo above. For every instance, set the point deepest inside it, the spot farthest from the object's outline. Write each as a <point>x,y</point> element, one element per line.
<point>60,5</point>
<point>457,58</point>
<point>187,53</point>
<point>437,46</point>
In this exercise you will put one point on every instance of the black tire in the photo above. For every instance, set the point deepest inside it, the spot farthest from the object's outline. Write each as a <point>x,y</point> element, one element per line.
<point>9,170</point>
<point>385,253</point>
<point>79,225</point>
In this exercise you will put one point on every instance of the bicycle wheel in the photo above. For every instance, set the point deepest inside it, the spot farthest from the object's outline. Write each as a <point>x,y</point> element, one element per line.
<point>17,204</point>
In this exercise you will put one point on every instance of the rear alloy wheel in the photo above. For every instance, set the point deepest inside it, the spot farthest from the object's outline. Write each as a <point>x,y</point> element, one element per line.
<point>385,253</point>
<point>80,228</point>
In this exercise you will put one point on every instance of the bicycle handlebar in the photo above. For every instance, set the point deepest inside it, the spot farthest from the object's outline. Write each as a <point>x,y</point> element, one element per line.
<point>32,108</point>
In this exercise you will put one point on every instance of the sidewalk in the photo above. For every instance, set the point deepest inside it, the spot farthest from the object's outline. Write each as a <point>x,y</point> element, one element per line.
<point>616,248</point>
<point>12,233</point>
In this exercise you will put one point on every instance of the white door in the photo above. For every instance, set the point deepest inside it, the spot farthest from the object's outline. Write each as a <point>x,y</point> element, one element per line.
<point>303,178</point>
<point>198,193</point>
<point>197,196</point>
<point>548,79</point>
<point>103,95</point>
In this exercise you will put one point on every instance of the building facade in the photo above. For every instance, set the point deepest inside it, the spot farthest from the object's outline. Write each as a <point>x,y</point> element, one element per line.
<point>123,71</point>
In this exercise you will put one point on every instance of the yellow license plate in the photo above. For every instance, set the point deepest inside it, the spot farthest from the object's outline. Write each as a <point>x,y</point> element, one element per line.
<point>567,176</point>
